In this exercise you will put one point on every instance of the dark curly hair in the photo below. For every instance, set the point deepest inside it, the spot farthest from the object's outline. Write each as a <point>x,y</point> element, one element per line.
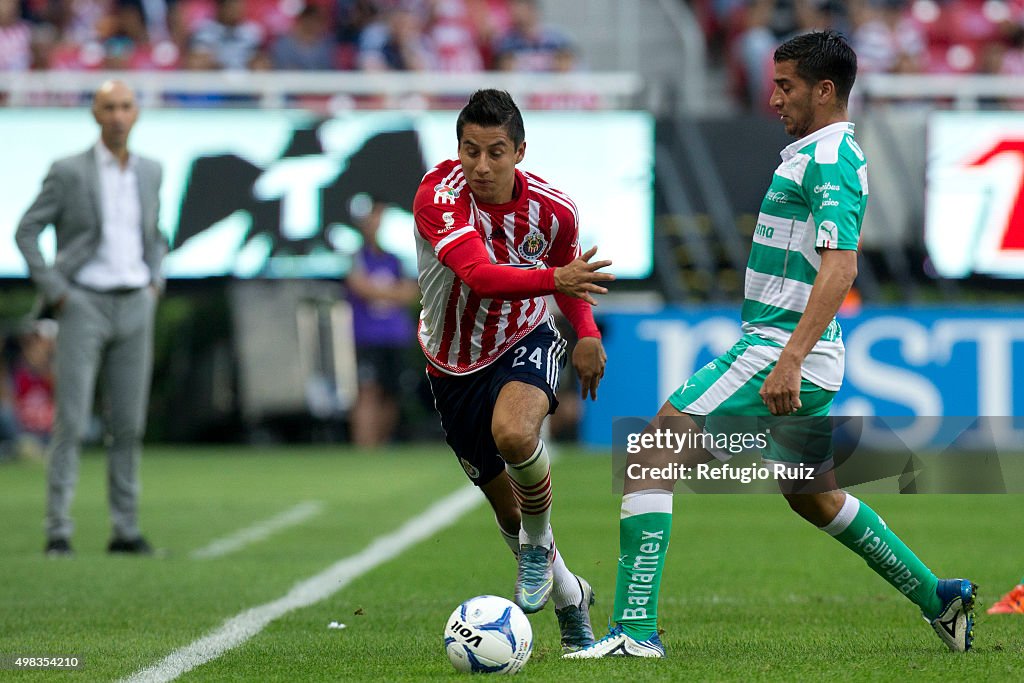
<point>822,56</point>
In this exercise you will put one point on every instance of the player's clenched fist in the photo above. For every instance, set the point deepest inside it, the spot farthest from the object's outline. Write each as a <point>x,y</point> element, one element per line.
<point>578,278</point>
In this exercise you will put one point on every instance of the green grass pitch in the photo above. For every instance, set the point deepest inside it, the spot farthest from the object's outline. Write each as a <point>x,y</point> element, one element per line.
<point>751,593</point>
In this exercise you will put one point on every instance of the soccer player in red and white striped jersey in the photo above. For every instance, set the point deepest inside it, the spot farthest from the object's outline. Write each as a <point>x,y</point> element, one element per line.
<point>492,242</point>
<point>463,328</point>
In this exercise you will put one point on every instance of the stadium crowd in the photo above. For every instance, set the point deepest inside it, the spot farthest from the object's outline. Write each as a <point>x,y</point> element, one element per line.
<point>369,35</point>
<point>889,36</point>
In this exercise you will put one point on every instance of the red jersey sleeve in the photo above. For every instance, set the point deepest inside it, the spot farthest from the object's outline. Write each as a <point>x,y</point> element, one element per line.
<point>579,314</point>
<point>470,262</point>
<point>441,210</point>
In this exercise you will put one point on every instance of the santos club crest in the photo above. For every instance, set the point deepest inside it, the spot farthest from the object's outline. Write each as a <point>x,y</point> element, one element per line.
<point>533,245</point>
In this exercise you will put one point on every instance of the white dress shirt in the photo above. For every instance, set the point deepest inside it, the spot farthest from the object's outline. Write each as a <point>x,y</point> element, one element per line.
<point>118,260</point>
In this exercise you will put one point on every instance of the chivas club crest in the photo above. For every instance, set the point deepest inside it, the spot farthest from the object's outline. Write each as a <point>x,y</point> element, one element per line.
<point>473,472</point>
<point>533,245</point>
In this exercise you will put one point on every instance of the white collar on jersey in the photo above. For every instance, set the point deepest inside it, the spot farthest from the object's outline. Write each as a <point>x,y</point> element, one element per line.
<point>842,127</point>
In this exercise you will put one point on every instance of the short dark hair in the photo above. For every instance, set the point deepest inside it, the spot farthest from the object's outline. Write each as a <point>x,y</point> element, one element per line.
<point>492,109</point>
<point>822,56</point>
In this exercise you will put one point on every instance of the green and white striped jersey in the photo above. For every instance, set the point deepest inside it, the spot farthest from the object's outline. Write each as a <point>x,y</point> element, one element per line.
<point>816,200</point>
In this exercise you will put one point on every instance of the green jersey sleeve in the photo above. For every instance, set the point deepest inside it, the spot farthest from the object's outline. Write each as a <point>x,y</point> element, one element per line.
<point>837,195</point>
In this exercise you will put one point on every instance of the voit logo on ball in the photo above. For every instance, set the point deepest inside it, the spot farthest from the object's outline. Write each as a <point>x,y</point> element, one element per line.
<point>488,634</point>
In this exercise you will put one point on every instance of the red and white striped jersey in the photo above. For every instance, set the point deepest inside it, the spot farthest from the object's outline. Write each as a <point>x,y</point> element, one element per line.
<point>459,330</point>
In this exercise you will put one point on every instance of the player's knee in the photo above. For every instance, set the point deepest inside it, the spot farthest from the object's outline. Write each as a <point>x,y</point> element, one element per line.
<point>515,440</point>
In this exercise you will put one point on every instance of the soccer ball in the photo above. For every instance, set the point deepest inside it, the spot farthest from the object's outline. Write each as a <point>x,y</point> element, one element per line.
<point>488,634</point>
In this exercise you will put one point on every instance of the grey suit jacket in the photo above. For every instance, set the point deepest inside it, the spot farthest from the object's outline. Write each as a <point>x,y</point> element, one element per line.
<point>70,201</point>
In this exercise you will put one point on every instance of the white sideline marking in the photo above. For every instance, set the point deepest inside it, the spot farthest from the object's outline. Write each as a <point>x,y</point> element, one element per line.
<point>247,624</point>
<point>259,531</point>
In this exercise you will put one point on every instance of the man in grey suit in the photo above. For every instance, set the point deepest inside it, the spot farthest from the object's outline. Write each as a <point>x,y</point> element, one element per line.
<point>102,286</point>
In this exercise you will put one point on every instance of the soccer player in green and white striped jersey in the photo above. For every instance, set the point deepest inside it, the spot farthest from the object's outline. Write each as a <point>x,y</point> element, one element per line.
<point>789,361</point>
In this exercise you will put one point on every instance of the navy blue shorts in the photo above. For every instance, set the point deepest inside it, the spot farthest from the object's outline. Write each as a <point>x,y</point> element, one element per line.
<point>466,403</point>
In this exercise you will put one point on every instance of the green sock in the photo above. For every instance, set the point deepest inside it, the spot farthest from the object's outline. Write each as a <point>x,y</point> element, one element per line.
<point>860,529</point>
<point>644,530</point>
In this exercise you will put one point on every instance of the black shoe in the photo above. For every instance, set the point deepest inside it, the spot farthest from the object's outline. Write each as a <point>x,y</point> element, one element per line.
<point>137,546</point>
<point>58,547</point>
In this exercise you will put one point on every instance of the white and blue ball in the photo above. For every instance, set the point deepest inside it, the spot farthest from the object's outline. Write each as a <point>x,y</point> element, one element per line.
<point>488,634</point>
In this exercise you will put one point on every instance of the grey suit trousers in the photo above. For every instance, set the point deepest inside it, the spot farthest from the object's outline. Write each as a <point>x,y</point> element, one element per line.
<point>105,336</point>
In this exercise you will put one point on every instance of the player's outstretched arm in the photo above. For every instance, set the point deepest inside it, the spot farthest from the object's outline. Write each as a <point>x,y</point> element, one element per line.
<point>468,259</point>
<point>579,277</point>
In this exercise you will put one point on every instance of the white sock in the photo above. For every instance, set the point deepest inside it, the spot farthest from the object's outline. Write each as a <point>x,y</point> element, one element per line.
<point>511,540</point>
<point>531,483</point>
<point>643,502</point>
<point>567,589</point>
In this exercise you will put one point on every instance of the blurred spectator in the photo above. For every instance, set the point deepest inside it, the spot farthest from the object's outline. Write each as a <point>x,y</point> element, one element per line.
<point>126,43</point>
<point>722,11</point>
<point>77,21</point>
<point>308,46</point>
<point>276,17</point>
<point>453,37</point>
<point>199,58</point>
<point>886,38</point>
<point>68,36</point>
<point>15,38</point>
<point>26,391</point>
<point>750,51</point>
<point>530,45</point>
<point>351,17</point>
<point>43,46</point>
<point>162,19</point>
<point>228,39</point>
<point>769,23</point>
<point>490,19</point>
<point>380,295</point>
<point>122,34</point>
<point>32,385</point>
<point>396,43</point>
<point>1002,59</point>
<point>971,23</point>
<point>1006,57</point>
<point>8,425</point>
